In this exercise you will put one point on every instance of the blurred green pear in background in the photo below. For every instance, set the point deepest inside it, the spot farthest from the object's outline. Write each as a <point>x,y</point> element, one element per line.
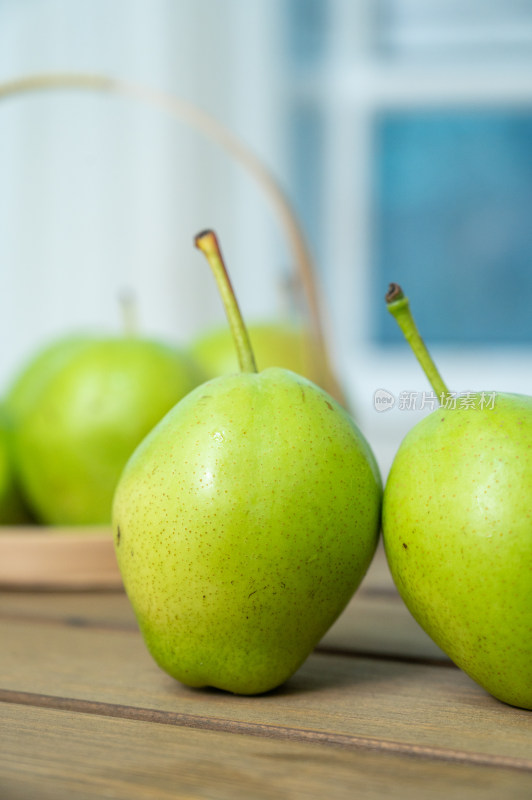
<point>79,410</point>
<point>275,344</point>
<point>12,510</point>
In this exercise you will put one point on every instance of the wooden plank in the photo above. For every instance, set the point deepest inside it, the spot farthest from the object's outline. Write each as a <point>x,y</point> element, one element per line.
<point>376,621</point>
<point>381,626</point>
<point>98,609</point>
<point>60,755</point>
<point>378,579</point>
<point>374,703</point>
<point>378,625</point>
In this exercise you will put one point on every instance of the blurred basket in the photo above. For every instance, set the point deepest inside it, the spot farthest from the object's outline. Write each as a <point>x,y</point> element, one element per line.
<point>47,557</point>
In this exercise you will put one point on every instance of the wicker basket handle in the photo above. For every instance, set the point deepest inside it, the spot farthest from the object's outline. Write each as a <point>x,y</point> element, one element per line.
<point>215,131</point>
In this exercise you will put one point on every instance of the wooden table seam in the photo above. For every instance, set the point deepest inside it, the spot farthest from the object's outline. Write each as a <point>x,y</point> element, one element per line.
<point>279,732</point>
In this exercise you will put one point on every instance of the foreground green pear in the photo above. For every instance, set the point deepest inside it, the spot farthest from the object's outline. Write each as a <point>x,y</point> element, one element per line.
<point>457,526</point>
<point>79,410</point>
<point>245,521</point>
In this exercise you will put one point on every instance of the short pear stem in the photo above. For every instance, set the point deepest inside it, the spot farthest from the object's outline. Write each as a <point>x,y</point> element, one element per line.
<point>399,307</point>
<point>130,321</point>
<point>207,242</point>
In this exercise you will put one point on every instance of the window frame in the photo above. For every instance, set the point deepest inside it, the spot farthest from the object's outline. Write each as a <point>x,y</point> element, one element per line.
<point>351,86</point>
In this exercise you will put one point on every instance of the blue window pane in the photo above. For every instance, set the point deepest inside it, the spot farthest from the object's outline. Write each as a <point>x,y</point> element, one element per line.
<point>453,224</point>
<point>306,158</point>
<point>306,30</point>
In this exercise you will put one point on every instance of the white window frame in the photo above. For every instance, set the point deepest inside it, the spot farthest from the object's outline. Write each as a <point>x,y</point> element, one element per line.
<point>352,89</point>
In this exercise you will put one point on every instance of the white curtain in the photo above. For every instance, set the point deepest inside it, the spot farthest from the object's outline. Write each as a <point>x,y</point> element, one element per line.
<point>99,194</point>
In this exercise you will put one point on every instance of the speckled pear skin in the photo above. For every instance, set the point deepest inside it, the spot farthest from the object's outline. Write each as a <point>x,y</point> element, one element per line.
<point>457,526</point>
<point>243,525</point>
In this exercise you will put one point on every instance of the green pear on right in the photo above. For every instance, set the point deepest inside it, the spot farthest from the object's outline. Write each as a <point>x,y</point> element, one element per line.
<point>457,526</point>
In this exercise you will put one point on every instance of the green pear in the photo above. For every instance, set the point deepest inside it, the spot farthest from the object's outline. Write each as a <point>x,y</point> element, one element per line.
<point>12,509</point>
<point>80,409</point>
<point>245,521</point>
<point>275,344</point>
<point>35,374</point>
<point>457,527</point>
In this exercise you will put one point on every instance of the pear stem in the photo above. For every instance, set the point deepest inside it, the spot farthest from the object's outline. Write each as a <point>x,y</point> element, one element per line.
<point>128,305</point>
<point>399,307</point>
<point>207,242</point>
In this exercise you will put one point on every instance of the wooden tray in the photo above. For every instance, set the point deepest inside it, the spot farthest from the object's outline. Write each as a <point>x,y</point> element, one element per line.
<point>69,558</point>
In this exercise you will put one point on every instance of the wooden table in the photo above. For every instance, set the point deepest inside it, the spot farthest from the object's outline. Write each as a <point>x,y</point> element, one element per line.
<point>376,712</point>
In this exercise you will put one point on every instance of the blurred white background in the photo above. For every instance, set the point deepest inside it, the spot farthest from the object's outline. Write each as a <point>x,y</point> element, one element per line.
<point>400,129</point>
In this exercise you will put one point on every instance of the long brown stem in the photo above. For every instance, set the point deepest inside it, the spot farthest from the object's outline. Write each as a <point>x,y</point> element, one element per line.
<point>207,242</point>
